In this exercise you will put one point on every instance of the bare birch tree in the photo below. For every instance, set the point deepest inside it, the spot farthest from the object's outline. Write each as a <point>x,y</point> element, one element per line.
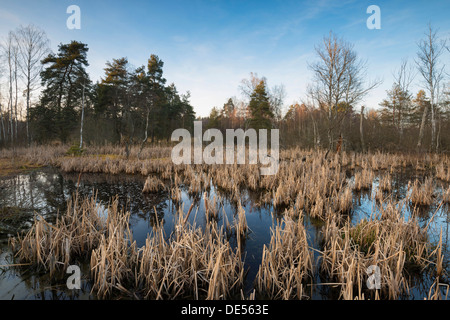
<point>2,123</point>
<point>361,129</point>
<point>33,47</point>
<point>277,94</point>
<point>339,83</point>
<point>429,66</point>
<point>9,49</point>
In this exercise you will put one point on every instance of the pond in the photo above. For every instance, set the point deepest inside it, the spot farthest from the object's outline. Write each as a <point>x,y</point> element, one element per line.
<point>46,191</point>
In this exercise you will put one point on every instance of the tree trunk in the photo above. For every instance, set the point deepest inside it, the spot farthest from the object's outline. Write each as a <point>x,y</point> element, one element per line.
<point>438,137</point>
<point>11,126</point>
<point>422,126</point>
<point>28,103</point>
<point>11,123</point>
<point>433,126</point>
<point>145,134</point>
<point>400,122</point>
<point>82,119</point>
<point>330,138</point>
<point>2,123</point>
<point>361,132</point>
<point>28,115</point>
<point>16,93</point>
<point>316,140</point>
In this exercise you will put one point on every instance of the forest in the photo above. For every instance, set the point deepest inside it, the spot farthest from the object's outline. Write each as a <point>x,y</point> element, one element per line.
<point>49,97</point>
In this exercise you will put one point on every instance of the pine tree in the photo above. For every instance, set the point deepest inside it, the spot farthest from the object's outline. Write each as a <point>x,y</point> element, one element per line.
<point>113,95</point>
<point>63,79</point>
<point>259,106</point>
<point>396,107</point>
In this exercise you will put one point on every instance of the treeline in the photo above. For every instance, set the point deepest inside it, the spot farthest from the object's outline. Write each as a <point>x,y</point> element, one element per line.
<point>128,105</point>
<point>395,126</point>
<point>136,105</point>
<point>332,115</point>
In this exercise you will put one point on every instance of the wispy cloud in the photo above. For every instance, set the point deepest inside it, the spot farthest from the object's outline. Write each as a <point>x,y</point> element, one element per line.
<point>7,17</point>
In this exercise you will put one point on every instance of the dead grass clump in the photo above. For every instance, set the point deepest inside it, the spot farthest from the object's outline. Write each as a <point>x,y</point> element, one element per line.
<point>211,207</point>
<point>363,180</point>
<point>446,195</point>
<point>194,264</point>
<point>442,171</point>
<point>253,177</point>
<point>241,223</point>
<point>422,193</point>
<point>378,161</point>
<point>379,195</point>
<point>153,184</point>
<point>391,243</point>
<point>175,194</point>
<point>344,201</point>
<point>385,183</point>
<point>194,182</point>
<point>280,195</point>
<point>113,261</point>
<point>435,292</point>
<point>167,172</point>
<point>72,236</point>
<point>318,208</point>
<point>300,201</point>
<point>286,263</point>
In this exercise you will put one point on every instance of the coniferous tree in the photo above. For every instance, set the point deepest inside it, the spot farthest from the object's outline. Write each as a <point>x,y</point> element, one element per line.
<point>396,107</point>
<point>113,96</point>
<point>63,78</point>
<point>259,107</point>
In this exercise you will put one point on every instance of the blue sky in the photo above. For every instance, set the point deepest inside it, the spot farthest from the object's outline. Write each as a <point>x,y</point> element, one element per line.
<point>208,47</point>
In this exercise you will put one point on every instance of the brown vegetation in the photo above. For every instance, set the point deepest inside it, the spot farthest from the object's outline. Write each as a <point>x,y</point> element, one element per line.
<point>286,263</point>
<point>193,263</point>
<point>199,263</point>
<point>391,243</point>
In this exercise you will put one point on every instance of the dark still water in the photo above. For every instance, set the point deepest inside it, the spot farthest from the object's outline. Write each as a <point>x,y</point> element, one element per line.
<point>46,191</point>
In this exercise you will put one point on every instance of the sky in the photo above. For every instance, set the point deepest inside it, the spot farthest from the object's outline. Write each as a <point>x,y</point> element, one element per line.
<point>208,47</point>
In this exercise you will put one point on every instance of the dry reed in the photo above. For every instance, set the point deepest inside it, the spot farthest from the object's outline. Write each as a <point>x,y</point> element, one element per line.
<point>74,235</point>
<point>287,262</point>
<point>195,264</point>
<point>153,184</point>
<point>199,263</point>
<point>446,195</point>
<point>422,194</point>
<point>390,242</point>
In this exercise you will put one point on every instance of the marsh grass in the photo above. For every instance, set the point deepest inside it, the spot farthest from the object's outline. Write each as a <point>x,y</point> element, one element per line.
<point>442,171</point>
<point>74,235</point>
<point>176,194</point>
<point>286,263</point>
<point>363,179</point>
<point>392,243</point>
<point>113,260</point>
<point>211,207</point>
<point>422,193</point>
<point>446,195</point>
<point>193,262</point>
<point>385,183</point>
<point>196,262</point>
<point>153,184</point>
